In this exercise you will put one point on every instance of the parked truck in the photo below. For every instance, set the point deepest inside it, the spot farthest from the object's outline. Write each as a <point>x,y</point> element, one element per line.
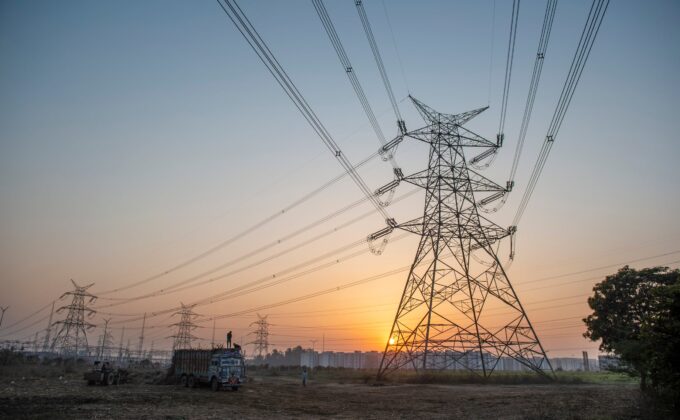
<point>221,368</point>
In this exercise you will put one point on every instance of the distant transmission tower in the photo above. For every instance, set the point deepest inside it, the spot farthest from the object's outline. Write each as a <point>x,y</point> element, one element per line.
<point>105,341</point>
<point>141,338</point>
<point>261,341</point>
<point>71,338</point>
<point>458,309</point>
<point>183,337</point>
<point>48,331</point>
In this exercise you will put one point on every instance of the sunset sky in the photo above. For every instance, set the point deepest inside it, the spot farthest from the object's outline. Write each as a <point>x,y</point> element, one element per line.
<point>135,136</point>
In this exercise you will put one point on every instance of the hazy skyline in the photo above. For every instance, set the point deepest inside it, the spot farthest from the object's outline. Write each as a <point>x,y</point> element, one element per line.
<point>136,135</point>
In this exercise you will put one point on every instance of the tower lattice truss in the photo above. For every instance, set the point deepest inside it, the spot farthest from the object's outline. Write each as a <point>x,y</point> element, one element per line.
<point>183,339</point>
<point>458,309</point>
<point>261,341</point>
<point>71,339</point>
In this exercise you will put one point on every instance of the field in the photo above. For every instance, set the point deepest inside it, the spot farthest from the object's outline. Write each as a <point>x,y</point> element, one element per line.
<point>50,392</point>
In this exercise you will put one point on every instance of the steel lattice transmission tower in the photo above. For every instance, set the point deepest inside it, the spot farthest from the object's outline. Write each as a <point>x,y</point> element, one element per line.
<point>183,337</point>
<point>105,341</point>
<point>261,341</point>
<point>458,309</point>
<point>71,338</point>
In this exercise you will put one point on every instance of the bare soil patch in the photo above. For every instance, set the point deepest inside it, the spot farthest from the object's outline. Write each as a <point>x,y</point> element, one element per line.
<point>285,397</point>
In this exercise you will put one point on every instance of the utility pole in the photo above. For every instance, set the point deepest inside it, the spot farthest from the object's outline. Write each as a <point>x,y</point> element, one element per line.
<point>3,313</point>
<point>48,330</point>
<point>313,356</point>
<point>141,338</point>
<point>212,342</point>
<point>456,282</point>
<point>120,346</point>
<point>72,337</point>
<point>105,340</point>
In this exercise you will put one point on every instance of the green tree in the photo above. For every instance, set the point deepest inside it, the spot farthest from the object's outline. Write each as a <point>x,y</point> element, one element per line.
<point>630,310</point>
<point>661,334</point>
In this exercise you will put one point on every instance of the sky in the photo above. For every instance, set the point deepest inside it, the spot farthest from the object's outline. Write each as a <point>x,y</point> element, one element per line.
<point>137,135</point>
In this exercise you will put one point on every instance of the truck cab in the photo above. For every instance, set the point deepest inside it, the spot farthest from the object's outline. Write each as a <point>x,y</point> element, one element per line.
<point>227,369</point>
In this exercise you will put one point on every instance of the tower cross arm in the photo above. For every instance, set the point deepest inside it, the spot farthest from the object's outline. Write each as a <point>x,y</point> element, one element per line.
<point>480,183</point>
<point>450,134</point>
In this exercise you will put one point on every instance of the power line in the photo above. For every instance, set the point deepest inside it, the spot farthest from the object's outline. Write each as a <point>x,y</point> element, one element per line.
<point>603,267</point>
<point>192,281</point>
<point>379,62</point>
<point>533,85</point>
<point>27,317</point>
<point>585,45</point>
<point>350,71</point>
<point>508,66</point>
<point>243,233</point>
<point>396,49</point>
<point>240,289</point>
<point>493,40</point>
<point>258,45</point>
<point>373,306</point>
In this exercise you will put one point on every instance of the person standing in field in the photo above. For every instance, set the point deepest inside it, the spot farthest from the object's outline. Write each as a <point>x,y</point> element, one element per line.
<point>229,340</point>
<point>304,376</point>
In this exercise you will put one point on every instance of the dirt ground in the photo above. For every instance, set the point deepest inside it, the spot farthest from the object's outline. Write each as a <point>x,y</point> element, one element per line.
<point>284,397</point>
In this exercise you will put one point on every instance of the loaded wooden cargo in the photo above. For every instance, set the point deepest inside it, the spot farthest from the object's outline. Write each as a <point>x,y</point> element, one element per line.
<point>221,368</point>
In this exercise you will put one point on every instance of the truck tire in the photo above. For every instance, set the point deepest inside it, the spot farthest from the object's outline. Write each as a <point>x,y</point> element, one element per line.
<point>184,380</point>
<point>234,388</point>
<point>215,384</point>
<point>110,379</point>
<point>191,382</point>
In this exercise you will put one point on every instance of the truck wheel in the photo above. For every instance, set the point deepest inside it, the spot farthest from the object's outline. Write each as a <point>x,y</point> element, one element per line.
<point>184,380</point>
<point>234,388</point>
<point>215,385</point>
<point>191,383</point>
<point>110,379</point>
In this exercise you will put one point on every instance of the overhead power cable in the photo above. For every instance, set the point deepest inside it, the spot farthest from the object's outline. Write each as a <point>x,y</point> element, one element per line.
<point>508,67</point>
<point>344,310</point>
<point>379,62</point>
<point>192,281</point>
<point>5,333</point>
<point>585,45</point>
<point>258,45</point>
<point>27,317</point>
<point>533,85</point>
<point>351,74</point>
<point>244,232</point>
<point>275,278</point>
<point>396,49</point>
<point>489,155</point>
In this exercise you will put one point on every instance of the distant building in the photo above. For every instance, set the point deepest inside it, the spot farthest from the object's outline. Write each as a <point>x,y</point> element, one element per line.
<point>447,360</point>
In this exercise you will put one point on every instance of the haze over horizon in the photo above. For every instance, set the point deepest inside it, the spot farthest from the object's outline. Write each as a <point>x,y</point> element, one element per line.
<point>138,135</point>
